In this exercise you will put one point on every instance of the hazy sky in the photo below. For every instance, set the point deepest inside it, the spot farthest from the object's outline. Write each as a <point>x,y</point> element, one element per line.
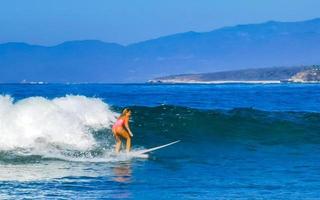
<point>50,22</point>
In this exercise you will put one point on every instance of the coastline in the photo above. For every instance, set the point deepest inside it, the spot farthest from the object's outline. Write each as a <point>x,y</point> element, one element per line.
<point>233,82</point>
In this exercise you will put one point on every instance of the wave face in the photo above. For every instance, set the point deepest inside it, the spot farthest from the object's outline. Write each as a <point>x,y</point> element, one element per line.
<point>40,126</point>
<point>77,128</point>
<point>223,126</point>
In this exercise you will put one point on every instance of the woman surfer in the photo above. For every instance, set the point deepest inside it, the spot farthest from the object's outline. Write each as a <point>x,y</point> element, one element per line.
<point>121,130</point>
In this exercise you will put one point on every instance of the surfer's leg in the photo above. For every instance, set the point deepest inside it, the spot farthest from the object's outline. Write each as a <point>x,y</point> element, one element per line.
<point>128,145</point>
<point>118,144</point>
<point>124,134</point>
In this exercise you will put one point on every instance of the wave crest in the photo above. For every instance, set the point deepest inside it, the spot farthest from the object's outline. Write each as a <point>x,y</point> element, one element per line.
<point>39,123</point>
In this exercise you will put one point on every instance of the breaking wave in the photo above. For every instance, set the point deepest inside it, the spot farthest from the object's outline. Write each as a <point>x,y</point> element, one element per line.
<point>40,126</point>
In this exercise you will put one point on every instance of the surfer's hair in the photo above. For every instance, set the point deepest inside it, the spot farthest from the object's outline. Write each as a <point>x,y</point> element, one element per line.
<point>125,111</point>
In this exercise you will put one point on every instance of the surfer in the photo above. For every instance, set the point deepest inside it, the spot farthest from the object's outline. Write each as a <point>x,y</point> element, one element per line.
<point>121,130</point>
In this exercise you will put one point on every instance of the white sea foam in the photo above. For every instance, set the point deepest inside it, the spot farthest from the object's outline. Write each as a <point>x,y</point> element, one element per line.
<point>39,123</point>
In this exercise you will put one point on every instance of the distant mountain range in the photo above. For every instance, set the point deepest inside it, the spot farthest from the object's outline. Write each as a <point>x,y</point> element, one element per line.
<point>258,75</point>
<point>230,48</point>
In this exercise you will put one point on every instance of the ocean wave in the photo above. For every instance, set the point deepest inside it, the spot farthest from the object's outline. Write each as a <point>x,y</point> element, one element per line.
<point>235,125</point>
<point>39,126</point>
<point>77,128</point>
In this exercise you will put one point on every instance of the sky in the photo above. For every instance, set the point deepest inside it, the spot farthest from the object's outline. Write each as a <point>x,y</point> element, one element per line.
<point>50,22</point>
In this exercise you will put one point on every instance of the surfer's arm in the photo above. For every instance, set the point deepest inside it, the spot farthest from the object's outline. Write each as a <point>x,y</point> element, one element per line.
<point>126,125</point>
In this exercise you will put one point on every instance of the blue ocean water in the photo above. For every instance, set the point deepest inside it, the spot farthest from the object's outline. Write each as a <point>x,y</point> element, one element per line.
<point>238,141</point>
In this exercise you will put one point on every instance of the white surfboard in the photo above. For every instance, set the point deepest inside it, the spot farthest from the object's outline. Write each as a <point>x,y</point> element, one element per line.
<point>143,153</point>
